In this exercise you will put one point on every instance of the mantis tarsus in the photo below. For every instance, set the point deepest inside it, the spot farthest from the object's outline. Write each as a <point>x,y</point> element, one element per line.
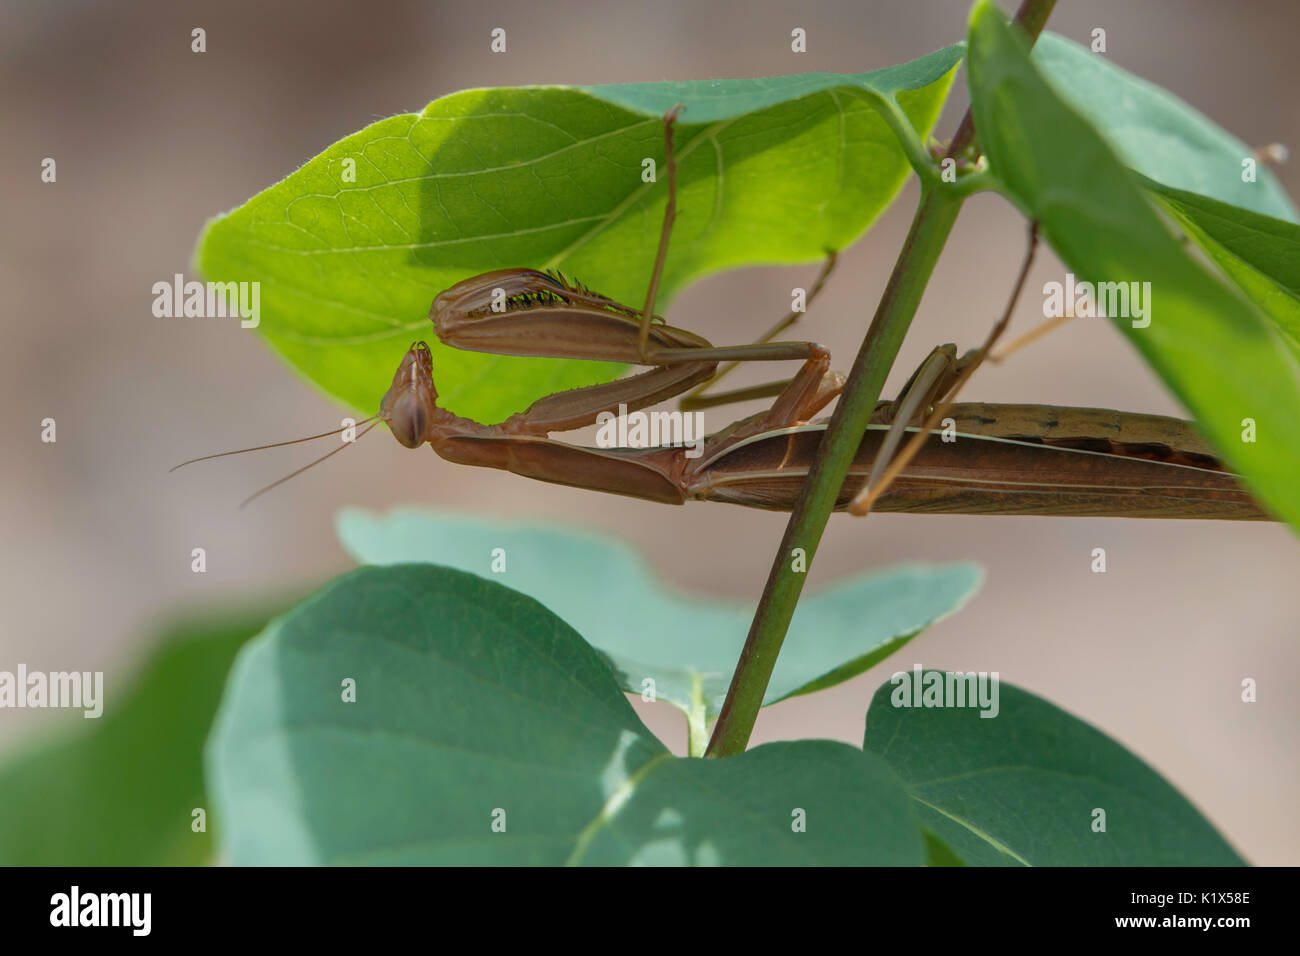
<point>1006,459</point>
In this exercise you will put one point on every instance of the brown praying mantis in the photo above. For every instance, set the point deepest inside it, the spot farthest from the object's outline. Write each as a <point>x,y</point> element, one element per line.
<point>991,459</point>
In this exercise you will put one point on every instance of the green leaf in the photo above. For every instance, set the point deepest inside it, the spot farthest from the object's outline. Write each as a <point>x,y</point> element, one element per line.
<point>474,703</point>
<point>119,790</point>
<point>1260,254</point>
<point>1021,788</point>
<point>772,170</point>
<point>1156,133</point>
<point>1223,359</point>
<point>687,645</point>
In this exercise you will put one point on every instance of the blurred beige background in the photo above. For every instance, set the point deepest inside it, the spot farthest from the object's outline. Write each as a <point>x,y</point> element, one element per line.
<point>151,140</point>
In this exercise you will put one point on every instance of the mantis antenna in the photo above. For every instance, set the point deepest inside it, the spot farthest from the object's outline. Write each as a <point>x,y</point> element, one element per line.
<point>295,474</point>
<point>281,444</point>
<point>277,444</point>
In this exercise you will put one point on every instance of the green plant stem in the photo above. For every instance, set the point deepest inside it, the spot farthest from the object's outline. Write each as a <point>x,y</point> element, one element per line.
<point>697,720</point>
<point>931,225</point>
<point>1031,18</point>
<point>935,215</point>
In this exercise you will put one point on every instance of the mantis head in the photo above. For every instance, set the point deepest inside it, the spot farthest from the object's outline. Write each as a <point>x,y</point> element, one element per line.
<point>411,401</point>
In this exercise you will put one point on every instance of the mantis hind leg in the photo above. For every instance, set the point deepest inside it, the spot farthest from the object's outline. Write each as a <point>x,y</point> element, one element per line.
<point>947,383</point>
<point>929,385</point>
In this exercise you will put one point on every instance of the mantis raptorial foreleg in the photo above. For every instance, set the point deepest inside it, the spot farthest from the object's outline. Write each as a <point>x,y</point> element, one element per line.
<point>811,388</point>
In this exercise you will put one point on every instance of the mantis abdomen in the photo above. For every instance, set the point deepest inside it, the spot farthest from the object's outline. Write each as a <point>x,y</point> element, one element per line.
<point>1007,460</point>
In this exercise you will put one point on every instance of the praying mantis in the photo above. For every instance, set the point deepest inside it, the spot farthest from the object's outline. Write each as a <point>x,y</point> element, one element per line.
<point>992,459</point>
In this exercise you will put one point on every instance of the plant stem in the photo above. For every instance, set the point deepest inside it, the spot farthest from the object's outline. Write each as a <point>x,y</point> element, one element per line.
<point>1031,18</point>
<point>930,228</point>
<point>935,215</point>
<point>697,720</point>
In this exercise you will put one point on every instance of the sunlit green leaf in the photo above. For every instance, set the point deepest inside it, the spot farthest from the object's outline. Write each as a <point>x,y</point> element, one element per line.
<point>351,248</point>
<point>1260,254</point>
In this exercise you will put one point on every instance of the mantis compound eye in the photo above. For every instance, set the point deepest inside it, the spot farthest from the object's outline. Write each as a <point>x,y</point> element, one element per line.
<point>407,406</point>
<point>408,419</point>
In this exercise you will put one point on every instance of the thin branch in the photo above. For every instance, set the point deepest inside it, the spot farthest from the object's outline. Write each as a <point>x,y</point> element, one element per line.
<point>916,260</point>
